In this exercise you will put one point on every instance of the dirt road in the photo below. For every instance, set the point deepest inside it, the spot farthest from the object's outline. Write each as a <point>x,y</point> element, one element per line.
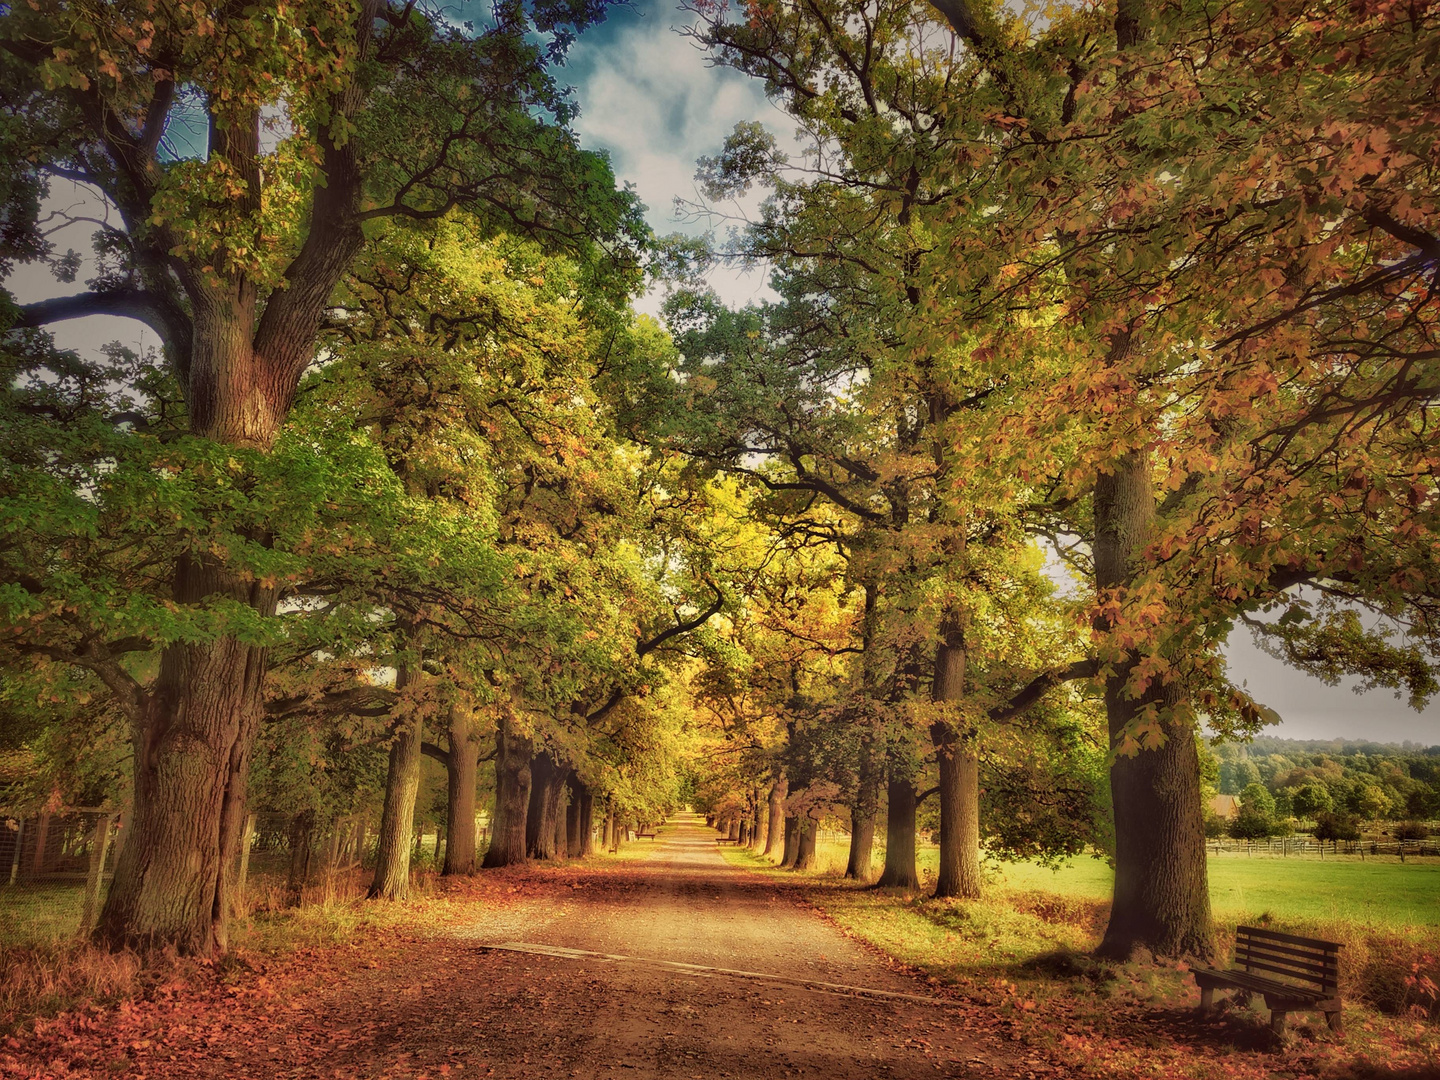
<point>544,1006</point>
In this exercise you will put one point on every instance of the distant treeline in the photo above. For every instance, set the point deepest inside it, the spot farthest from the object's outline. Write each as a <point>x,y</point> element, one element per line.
<point>1309,777</point>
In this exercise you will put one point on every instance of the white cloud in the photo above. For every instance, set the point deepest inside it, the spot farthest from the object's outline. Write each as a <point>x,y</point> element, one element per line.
<point>648,96</point>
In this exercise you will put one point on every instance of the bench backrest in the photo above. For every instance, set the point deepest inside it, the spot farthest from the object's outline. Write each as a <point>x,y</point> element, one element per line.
<point>1304,960</point>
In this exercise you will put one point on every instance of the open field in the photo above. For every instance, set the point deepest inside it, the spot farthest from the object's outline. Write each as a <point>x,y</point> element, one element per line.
<point>1377,892</point>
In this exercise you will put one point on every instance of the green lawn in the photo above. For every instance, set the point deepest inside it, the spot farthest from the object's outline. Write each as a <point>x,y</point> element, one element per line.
<point>1382,893</point>
<point>1375,893</point>
<point>42,912</point>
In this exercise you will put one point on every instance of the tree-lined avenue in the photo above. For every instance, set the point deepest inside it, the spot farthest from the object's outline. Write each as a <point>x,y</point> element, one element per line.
<point>452,1005</point>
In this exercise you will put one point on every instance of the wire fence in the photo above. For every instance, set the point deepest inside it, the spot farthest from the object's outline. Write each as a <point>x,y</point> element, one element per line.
<point>54,868</point>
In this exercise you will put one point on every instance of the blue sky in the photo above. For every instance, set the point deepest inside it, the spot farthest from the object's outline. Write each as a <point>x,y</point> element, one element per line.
<point>649,98</point>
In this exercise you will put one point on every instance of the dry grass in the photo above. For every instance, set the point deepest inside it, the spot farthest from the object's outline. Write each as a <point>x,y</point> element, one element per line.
<point>46,979</point>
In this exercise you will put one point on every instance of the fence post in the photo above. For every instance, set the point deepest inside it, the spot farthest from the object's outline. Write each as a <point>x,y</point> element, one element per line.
<point>15,859</point>
<point>99,849</point>
<point>246,839</point>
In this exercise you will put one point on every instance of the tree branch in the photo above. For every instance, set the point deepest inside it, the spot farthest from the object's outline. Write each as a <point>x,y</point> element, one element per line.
<point>158,312</point>
<point>1039,686</point>
<point>683,627</point>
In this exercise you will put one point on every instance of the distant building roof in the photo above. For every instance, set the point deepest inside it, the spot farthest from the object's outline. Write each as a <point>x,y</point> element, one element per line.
<point>1224,806</point>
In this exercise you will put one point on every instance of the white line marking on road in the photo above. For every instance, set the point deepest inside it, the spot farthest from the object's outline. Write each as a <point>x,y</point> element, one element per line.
<point>563,953</point>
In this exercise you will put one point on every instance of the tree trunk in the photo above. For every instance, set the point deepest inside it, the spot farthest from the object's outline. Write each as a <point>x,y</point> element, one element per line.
<point>775,829</point>
<point>792,840</point>
<point>562,824</point>
<point>239,905</point>
<point>959,791</point>
<point>757,820</point>
<point>808,831</point>
<point>540,831</point>
<point>397,818</point>
<point>900,805</point>
<point>512,796</point>
<point>301,834</point>
<point>192,743</point>
<point>959,775</point>
<point>95,877</point>
<point>1162,895</point>
<point>461,765</point>
<point>544,825</point>
<point>587,822</point>
<point>863,813</point>
<point>573,842</point>
<point>732,827</point>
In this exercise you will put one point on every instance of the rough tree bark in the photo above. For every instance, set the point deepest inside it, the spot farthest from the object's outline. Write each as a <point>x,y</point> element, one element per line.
<point>194,730</point>
<point>462,763</point>
<point>959,787</point>
<point>573,841</point>
<point>562,821</point>
<point>301,835</point>
<point>1162,894</point>
<point>775,829</point>
<point>808,832</point>
<point>757,819</point>
<point>732,827</point>
<point>792,840</point>
<point>547,790</point>
<point>402,783</point>
<point>512,796</point>
<point>586,821</point>
<point>900,805</point>
<point>863,813</point>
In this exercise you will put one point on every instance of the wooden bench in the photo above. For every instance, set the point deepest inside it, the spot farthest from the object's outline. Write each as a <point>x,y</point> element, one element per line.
<point>1310,970</point>
<point>643,833</point>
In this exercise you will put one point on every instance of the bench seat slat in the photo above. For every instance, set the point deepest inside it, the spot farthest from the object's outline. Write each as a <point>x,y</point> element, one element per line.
<point>1323,959</point>
<point>1291,967</point>
<point>1303,979</point>
<point>1291,939</point>
<point>1276,969</point>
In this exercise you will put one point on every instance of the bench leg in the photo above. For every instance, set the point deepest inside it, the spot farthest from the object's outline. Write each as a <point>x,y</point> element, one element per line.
<point>1207,998</point>
<point>1333,1019</point>
<point>1277,1021</point>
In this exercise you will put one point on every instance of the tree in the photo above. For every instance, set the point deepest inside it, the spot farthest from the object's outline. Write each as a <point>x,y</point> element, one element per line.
<point>232,261</point>
<point>1256,818</point>
<point>1107,258</point>
<point>1333,827</point>
<point>1311,800</point>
